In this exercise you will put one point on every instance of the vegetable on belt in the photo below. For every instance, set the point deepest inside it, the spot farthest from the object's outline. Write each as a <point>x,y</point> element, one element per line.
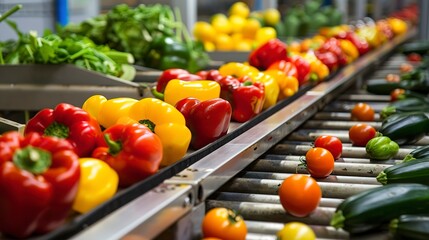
<point>419,152</point>
<point>98,183</point>
<point>132,150</point>
<point>107,112</point>
<point>410,104</point>
<point>415,171</point>
<point>381,148</point>
<point>177,90</point>
<point>69,122</point>
<point>333,45</point>
<point>303,68</point>
<point>166,122</point>
<point>174,73</point>
<point>39,178</point>
<point>349,49</point>
<point>268,53</point>
<point>288,85</point>
<point>410,226</point>
<point>318,70</point>
<point>328,58</point>
<point>361,44</point>
<point>289,68</point>
<point>384,87</point>
<point>405,128</point>
<point>370,209</point>
<point>208,120</point>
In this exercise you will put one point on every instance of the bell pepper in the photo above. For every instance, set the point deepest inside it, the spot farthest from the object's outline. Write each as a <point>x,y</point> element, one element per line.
<point>333,45</point>
<point>349,49</point>
<point>107,112</point>
<point>177,90</point>
<point>68,122</point>
<point>370,33</point>
<point>398,26</point>
<point>166,52</point>
<point>39,178</point>
<point>303,68</point>
<point>132,150</point>
<point>287,67</point>
<point>241,70</point>
<point>381,148</point>
<point>384,27</point>
<point>98,183</point>
<point>166,122</point>
<point>174,73</point>
<point>360,43</point>
<point>318,70</point>
<point>272,51</point>
<point>208,120</point>
<point>329,59</point>
<point>288,85</point>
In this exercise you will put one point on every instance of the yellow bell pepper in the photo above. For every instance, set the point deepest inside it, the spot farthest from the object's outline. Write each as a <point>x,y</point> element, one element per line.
<point>349,49</point>
<point>239,70</point>
<point>166,122</point>
<point>107,112</point>
<point>203,90</point>
<point>98,183</point>
<point>398,26</point>
<point>288,85</point>
<point>319,71</point>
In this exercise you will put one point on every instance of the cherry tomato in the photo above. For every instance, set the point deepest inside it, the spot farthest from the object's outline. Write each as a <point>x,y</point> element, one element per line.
<point>331,143</point>
<point>296,231</point>
<point>396,94</point>
<point>361,133</point>
<point>320,162</point>
<point>223,223</point>
<point>362,112</point>
<point>299,194</point>
<point>414,57</point>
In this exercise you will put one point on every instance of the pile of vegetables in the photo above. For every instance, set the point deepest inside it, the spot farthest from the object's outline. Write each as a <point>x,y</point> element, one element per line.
<point>153,34</point>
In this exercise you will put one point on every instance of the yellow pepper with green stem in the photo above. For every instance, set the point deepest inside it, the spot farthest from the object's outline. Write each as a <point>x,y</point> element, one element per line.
<point>202,90</point>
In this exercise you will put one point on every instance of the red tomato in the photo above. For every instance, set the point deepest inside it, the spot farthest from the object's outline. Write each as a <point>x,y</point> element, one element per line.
<point>299,194</point>
<point>361,133</point>
<point>396,94</point>
<point>320,162</point>
<point>225,224</point>
<point>331,143</point>
<point>414,57</point>
<point>362,112</point>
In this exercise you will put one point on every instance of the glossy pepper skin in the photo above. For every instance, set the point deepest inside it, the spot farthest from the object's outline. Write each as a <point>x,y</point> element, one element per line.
<point>132,150</point>
<point>272,51</point>
<point>288,85</point>
<point>69,122</point>
<point>166,122</point>
<point>329,59</point>
<point>98,183</point>
<point>166,52</point>
<point>174,73</point>
<point>333,45</point>
<point>381,148</point>
<point>360,43</point>
<point>303,68</point>
<point>39,178</point>
<point>208,120</point>
<point>177,90</point>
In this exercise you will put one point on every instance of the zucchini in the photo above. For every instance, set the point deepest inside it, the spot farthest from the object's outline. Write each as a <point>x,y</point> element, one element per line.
<point>409,104</point>
<point>420,152</point>
<point>373,208</point>
<point>405,128</point>
<point>416,171</point>
<point>421,47</point>
<point>410,226</point>
<point>381,86</point>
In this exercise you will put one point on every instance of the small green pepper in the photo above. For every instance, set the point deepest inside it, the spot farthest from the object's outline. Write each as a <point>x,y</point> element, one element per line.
<point>381,148</point>
<point>166,53</point>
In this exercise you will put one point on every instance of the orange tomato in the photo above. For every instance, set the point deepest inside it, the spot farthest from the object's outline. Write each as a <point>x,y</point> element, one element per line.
<point>223,223</point>
<point>299,194</point>
<point>320,162</point>
<point>362,112</point>
<point>361,133</point>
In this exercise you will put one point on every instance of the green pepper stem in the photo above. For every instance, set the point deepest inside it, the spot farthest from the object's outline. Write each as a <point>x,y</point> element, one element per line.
<point>32,159</point>
<point>157,94</point>
<point>114,146</point>
<point>149,124</point>
<point>57,130</point>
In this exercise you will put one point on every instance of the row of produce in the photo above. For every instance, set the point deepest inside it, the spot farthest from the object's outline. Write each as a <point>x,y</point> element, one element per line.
<point>66,153</point>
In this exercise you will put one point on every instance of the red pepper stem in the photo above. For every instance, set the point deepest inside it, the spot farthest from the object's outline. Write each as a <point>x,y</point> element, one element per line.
<point>32,159</point>
<point>57,130</point>
<point>114,146</point>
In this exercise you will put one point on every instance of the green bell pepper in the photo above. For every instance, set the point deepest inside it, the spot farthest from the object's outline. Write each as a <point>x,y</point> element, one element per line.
<point>381,148</point>
<point>167,52</point>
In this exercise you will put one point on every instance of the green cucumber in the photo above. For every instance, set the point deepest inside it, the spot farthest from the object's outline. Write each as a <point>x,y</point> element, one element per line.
<point>381,86</point>
<point>410,226</point>
<point>416,171</point>
<point>373,208</point>
<point>405,128</point>
<point>419,152</point>
<point>409,104</point>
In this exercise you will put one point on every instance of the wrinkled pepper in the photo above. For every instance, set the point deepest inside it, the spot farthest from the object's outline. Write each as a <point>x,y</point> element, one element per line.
<point>69,122</point>
<point>98,183</point>
<point>166,122</point>
<point>174,73</point>
<point>107,112</point>
<point>272,51</point>
<point>132,150</point>
<point>39,178</point>
<point>288,85</point>
<point>381,148</point>
<point>241,70</point>
<point>166,52</point>
<point>208,120</point>
<point>177,90</point>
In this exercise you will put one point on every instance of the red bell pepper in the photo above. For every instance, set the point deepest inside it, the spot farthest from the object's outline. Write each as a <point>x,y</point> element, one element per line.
<point>174,73</point>
<point>303,68</point>
<point>68,122</point>
<point>328,58</point>
<point>287,67</point>
<point>208,120</point>
<point>333,45</point>
<point>361,44</point>
<point>39,178</point>
<point>132,150</point>
<point>272,51</point>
